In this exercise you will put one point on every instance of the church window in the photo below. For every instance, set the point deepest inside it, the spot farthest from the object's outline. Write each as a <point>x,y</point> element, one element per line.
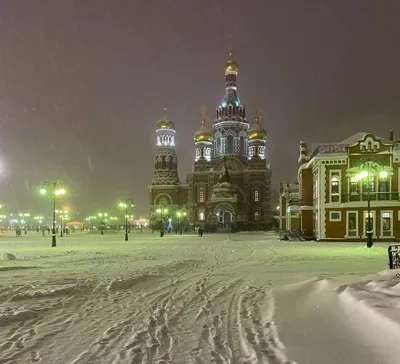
<point>229,144</point>
<point>201,216</point>
<point>163,162</point>
<point>256,198</point>
<point>256,216</point>
<point>201,194</point>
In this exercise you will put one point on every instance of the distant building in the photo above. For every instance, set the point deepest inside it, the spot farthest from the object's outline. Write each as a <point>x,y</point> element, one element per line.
<point>289,207</point>
<point>230,184</point>
<point>336,181</point>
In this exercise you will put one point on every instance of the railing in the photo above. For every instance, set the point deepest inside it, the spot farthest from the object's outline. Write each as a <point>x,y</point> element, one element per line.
<point>373,196</point>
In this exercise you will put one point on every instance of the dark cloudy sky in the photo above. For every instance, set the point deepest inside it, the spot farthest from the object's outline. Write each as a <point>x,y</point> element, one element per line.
<point>83,82</point>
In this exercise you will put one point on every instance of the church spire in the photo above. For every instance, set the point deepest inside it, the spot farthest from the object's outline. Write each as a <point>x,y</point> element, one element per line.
<point>231,108</point>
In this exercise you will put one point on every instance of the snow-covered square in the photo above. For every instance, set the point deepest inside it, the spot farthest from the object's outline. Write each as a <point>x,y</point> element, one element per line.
<point>248,298</point>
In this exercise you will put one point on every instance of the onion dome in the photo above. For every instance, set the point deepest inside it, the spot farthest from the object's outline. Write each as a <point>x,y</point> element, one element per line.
<point>203,134</point>
<point>165,123</point>
<point>231,65</point>
<point>257,131</point>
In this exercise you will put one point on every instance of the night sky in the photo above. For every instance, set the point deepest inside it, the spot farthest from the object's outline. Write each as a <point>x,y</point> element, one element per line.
<point>83,83</point>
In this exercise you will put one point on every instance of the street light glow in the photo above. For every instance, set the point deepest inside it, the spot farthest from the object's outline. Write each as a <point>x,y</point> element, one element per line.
<point>383,174</point>
<point>60,191</point>
<point>43,191</point>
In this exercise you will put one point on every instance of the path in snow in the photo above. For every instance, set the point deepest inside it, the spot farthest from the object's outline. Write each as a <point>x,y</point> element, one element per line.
<point>182,299</point>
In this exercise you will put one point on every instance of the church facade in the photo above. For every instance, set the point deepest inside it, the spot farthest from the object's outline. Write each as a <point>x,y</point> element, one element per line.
<point>230,184</point>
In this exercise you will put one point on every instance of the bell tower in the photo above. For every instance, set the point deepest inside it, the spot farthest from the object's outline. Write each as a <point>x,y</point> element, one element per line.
<point>165,161</point>
<point>167,195</point>
<point>230,126</point>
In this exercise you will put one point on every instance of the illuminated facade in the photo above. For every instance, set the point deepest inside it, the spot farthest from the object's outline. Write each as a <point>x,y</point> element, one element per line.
<point>289,214</point>
<point>336,182</point>
<point>230,184</point>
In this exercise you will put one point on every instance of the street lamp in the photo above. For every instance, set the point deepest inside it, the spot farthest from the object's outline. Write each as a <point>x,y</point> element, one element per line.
<point>102,216</point>
<point>54,189</point>
<point>160,211</point>
<point>366,175</point>
<point>125,204</point>
<point>63,216</point>
<point>181,214</point>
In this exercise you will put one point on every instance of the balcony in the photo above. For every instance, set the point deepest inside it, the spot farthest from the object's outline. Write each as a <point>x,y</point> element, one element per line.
<point>373,196</point>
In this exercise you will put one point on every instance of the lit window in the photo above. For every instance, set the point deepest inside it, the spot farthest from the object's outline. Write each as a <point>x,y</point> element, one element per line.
<point>386,221</point>
<point>201,194</point>
<point>201,216</point>
<point>335,189</point>
<point>256,216</point>
<point>256,195</point>
<point>354,186</point>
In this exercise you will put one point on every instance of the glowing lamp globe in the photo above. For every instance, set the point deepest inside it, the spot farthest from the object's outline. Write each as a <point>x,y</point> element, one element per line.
<point>383,174</point>
<point>42,191</point>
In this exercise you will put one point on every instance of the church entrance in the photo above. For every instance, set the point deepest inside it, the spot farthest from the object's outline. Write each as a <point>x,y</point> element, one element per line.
<point>224,214</point>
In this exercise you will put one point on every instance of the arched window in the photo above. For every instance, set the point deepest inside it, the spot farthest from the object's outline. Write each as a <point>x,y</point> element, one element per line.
<point>335,189</point>
<point>229,144</point>
<point>163,162</point>
<point>256,198</point>
<point>218,146</point>
<point>201,216</point>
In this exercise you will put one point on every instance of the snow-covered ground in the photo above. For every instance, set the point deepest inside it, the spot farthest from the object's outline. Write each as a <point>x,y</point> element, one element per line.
<point>184,299</point>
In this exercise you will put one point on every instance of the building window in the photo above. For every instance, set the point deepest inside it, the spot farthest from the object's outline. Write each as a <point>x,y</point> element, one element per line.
<point>335,216</point>
<point>369,184</point>
<point>201,194</point>
<point>256,196</point>
<point>369,222</point>
<point>383,188</point>
<point>354,186</point>
<point>352,224</point>
<point>201,216</point>
<point>386,221</point>
<point>335,189</point>
<point>242,145</point>
<point>256,216</point>
<point>352,221</point>
<point>229,144</point>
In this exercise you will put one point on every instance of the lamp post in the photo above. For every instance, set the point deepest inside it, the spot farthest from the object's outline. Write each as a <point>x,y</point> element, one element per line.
<point>55,189</point>
<point>181,214</point>
<point>366,174</point>
<point>160,211</point>
<point>101,218</point>
<point>63,216</point>
<point>125,204</point>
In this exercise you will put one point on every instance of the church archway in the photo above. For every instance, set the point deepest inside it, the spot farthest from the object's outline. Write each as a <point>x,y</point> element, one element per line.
<point>224,213</point>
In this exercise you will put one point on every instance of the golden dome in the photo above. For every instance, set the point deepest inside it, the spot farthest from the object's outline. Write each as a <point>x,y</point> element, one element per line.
<point>203,134</point>
<point>165,123</point>
<point>257,131</point>
<point>231,65</point>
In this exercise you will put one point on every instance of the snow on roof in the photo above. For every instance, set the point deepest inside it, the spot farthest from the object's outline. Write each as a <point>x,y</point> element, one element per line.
<point>351,140</point>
